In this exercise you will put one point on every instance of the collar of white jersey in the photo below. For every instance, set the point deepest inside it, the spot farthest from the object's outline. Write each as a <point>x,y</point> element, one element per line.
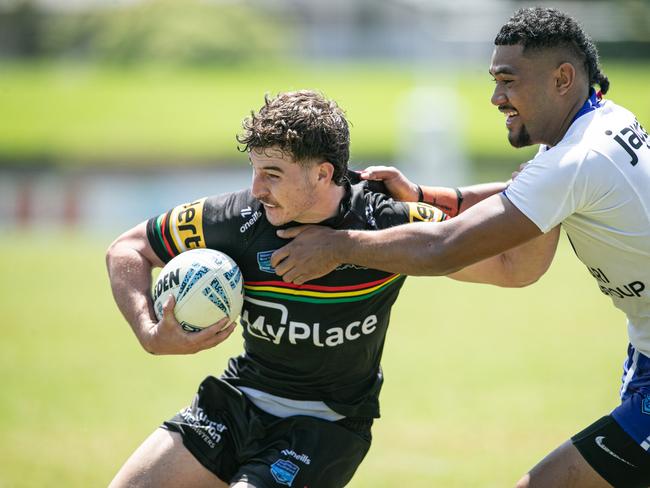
<point>592,103</point>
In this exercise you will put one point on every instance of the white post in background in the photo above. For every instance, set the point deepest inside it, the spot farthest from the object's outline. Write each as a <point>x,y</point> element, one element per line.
<point>431,148</point>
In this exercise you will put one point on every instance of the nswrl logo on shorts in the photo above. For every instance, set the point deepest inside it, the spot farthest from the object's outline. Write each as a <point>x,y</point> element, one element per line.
<point>645,405</point>
<point>284,472</point>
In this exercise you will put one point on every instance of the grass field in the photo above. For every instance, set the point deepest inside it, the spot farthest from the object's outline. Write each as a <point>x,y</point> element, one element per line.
<point>480,382</point>
<point>77,115</point>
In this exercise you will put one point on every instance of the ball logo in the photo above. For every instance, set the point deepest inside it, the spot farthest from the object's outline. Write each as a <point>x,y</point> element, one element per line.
<point>166,282</point>
<point>195,273</point>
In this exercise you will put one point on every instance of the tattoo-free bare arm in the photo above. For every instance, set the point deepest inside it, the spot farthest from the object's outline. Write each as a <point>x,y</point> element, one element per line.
<point>520,266</point>
<point>130,260</point>
<point>484,230</point>
<point>447,199</point>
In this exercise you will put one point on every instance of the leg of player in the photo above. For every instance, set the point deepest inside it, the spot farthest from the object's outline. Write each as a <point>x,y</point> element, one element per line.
<point>564,467</point>
<point>162,461</point>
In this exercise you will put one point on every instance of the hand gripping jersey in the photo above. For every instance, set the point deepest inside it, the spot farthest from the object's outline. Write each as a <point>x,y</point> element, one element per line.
<point>319,341</point>
<point>596,182</point>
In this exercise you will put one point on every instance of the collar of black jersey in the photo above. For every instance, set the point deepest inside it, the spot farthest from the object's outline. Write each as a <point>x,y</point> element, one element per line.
<point>351,178</point>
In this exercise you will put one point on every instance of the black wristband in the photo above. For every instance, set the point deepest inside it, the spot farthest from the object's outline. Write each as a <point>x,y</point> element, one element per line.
<point>420,194</point>
<point>459,198</point>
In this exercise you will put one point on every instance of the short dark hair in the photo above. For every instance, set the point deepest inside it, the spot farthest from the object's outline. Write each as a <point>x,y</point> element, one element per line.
<point>538,28</point>
<point>305,125</point>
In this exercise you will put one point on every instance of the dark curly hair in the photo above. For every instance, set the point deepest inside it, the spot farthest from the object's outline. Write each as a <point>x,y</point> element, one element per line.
<point>537,28</point>
<point>303,124</point>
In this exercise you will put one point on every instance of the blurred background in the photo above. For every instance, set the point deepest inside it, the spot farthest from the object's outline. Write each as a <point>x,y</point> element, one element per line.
<point>112,111</point>
<point>144,98</point>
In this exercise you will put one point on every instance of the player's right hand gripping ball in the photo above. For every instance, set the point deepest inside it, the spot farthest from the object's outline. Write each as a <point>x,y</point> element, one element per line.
<point>207,285</point>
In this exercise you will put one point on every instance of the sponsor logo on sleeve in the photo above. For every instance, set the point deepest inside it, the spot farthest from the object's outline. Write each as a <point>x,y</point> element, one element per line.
<point>186,225</point>
<point>423,212</point>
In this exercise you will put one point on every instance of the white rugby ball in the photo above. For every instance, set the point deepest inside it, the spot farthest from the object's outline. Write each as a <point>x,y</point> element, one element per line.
<point>207,285</point>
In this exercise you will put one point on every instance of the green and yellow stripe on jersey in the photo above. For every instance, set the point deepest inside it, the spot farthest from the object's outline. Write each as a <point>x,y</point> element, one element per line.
<point>178,230</point>
<point>319,293</point>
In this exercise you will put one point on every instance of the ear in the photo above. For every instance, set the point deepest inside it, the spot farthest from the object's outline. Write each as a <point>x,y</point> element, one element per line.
<point>565,78</point>
<point>325,172</point>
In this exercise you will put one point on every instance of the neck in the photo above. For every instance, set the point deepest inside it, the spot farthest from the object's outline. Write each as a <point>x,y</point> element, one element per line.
<point>567,120</point>
<point>327,205</point>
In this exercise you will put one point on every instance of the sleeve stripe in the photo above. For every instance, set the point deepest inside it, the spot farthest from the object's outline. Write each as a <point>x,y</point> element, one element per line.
<point>166,235</point>
<point>155,238</point>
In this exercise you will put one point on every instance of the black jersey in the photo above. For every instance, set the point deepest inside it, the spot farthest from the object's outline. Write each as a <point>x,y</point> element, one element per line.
<point>322,340</point>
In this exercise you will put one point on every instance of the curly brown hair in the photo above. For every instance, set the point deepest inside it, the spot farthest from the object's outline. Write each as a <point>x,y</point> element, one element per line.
<point>303,124</point>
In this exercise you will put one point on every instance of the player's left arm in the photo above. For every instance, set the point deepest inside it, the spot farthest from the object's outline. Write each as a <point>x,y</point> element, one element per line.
<point>129,261</point>
<point>490,227</point>
<point>452,201</point>
<point>520,266</point>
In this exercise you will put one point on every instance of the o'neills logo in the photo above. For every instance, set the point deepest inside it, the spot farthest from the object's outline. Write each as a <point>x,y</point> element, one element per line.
<point>303,458</point>
<point>248,224</point>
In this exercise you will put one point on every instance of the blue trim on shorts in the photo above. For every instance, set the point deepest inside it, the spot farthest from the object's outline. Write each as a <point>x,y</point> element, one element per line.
<point>633,414</point>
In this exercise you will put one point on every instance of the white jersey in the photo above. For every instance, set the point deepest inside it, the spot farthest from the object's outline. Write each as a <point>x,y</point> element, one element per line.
<point>596,182</point>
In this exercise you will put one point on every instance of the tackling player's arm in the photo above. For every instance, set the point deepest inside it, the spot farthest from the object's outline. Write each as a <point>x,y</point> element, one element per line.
<point>421,249</point>
<point>517,267</point>
<point>130,260</point>
<point>452,201</point>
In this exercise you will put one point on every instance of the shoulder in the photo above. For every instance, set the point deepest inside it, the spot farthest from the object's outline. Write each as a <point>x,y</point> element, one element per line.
<point>380,211</point>
<point>604,131</point>
<point>232,205</point>
<point>214,221</point>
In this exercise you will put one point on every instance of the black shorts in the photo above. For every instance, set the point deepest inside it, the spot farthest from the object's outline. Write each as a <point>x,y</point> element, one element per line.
<point>239,442</point>
<point>613,454</point>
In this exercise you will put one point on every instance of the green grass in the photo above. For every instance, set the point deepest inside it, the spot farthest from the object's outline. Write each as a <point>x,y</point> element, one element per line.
<point>480,382</point>
<point>76,115</point>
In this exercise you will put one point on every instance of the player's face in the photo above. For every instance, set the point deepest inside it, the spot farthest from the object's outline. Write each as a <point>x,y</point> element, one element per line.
<point>286,188</point>
<point>524,94</point>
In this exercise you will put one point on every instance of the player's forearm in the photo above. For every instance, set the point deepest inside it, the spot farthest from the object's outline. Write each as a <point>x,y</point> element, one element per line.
<point>490,228</point>
<point>456,200</point>
<point>517,267</point>
<point>413,249</point>
<point>476,193</point>
<point>526,263</point>
<point>130,278</point>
